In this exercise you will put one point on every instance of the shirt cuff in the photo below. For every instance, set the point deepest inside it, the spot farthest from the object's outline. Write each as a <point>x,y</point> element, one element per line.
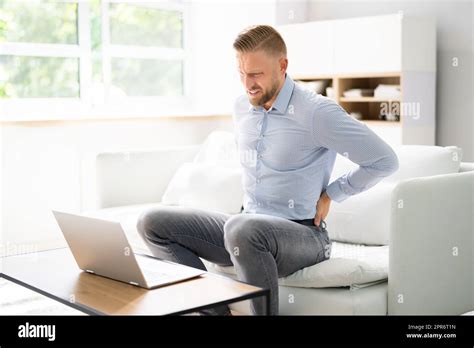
<point>335,192</point>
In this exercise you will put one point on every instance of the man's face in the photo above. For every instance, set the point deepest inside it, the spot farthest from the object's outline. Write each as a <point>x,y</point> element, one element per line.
<point>261,75</point>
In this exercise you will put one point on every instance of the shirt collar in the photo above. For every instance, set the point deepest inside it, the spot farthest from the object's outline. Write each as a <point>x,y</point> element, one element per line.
<point>283,98</point>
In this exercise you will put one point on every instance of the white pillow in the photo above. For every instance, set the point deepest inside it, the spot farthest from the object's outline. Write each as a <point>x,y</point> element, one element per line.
<point>365,218</point>
<point>349,265</point>
<point>206,186</point>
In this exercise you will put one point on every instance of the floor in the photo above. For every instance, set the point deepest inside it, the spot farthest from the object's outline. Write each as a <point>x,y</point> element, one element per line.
<point>17,300</point>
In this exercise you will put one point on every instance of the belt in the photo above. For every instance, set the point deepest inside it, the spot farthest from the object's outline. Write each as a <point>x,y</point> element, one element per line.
<point>310,222</point>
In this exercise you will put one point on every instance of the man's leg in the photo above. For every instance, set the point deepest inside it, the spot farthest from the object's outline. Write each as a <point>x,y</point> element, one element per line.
<point>264,248</point>
<point>182,235</point>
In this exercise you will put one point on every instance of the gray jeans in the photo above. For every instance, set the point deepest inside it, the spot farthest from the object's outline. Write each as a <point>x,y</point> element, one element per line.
<point>261,247</point>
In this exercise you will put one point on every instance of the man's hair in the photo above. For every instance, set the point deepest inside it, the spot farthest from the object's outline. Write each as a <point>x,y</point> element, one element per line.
<point>260,37</point>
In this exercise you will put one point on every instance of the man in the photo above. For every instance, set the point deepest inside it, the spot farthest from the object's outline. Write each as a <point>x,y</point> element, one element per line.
<point>288,139</point>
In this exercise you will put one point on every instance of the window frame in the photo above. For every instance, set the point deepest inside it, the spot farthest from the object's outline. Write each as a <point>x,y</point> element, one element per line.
<point>85,107</point>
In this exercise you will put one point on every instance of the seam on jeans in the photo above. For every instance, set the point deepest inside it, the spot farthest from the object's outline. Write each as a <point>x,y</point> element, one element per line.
<point>170,248</point>
<point>330,249</point>
<point>267,278</point>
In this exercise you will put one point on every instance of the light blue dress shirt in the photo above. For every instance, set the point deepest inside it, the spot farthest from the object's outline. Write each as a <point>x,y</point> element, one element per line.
<point>288,153</point>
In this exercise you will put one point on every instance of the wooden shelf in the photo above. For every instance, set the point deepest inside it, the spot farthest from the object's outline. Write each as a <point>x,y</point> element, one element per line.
<point>366,99</point>
<point>368,106</point>
<point>348,75</point>
<point>381,123</point>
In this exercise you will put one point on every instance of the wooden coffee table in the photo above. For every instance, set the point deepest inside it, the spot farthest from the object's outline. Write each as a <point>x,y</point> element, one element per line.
<point>55,274</point>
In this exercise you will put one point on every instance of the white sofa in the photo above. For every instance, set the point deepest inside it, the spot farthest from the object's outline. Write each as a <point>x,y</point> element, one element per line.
<point>404,246</point>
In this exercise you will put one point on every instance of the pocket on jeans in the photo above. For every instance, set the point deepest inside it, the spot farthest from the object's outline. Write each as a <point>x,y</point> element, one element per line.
<point>320,229</point>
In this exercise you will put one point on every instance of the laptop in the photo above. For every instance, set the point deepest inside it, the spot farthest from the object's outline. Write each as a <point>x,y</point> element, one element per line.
<point>101,247</point>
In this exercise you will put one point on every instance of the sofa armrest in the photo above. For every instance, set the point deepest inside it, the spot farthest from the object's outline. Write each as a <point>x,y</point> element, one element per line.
<point>466,167</point>
<point>136,177</point>
<point>431,246</point>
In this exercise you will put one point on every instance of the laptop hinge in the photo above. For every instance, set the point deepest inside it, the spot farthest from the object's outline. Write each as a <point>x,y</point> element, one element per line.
<point>134,283</point>
<point>89,271</point>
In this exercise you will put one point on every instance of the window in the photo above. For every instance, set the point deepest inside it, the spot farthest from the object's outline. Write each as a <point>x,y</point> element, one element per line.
<point>143,50</point>
<point>39,55</point>
<point>93,52</point>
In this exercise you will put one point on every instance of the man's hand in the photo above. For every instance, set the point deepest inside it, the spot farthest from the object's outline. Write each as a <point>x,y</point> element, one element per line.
<point>322,208</point>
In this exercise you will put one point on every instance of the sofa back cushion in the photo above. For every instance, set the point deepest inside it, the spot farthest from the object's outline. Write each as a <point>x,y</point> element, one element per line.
<point>219,148</point>
<point>138,176</point>
<point>415,161</point>
<point>365,218</point>
<point>213,181</point>
<point>206,186</point>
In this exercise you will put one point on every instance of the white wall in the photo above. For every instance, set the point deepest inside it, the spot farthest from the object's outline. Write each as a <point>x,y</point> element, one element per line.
<point>215,25</point>
<point>291,11</point>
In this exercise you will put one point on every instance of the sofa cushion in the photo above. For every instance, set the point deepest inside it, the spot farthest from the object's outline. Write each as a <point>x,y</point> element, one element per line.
<point>365,218</point>
<point>213,181</point>
<point>134,177</point>
<point>349,265</point>
<point>206,186</point>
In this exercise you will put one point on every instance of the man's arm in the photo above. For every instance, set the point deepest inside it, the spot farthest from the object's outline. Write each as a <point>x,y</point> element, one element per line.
<point>334,129</point>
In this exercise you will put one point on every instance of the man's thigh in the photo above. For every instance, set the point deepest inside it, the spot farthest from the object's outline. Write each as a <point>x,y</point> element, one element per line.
<point>294,246</point>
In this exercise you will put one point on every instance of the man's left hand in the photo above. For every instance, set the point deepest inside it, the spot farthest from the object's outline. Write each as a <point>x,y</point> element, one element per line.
<point>322,208</point>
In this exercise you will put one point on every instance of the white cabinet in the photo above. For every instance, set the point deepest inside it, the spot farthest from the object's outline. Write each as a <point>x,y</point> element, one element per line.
<point>310,48</point>
<point>386,43</point>
<point>369,44</point>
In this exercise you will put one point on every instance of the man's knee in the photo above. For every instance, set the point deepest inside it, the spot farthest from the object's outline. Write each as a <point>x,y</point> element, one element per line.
<point>152,223</point>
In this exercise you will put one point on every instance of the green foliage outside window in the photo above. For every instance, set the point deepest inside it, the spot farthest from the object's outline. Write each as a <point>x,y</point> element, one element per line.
<point>53,22</point>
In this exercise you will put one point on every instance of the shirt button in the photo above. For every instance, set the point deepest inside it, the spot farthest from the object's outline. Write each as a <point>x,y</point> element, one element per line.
<point>258,181</point>
<point>259,156</point>
<point>259,204</point>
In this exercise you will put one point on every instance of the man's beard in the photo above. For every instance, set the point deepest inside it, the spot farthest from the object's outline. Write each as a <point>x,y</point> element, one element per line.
<point>266,96</point>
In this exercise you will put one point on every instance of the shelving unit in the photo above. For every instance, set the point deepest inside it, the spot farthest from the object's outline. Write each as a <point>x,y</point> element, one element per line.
<point>369,107</point>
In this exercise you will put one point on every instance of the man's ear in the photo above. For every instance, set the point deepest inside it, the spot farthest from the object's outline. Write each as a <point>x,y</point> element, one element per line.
<point>283,64</point>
